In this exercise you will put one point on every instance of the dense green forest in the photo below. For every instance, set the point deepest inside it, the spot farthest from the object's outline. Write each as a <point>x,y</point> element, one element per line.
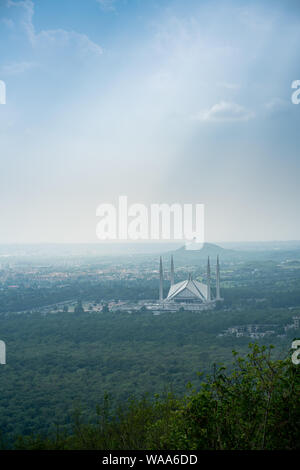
<point>256,406</point>
<point>59,362</point>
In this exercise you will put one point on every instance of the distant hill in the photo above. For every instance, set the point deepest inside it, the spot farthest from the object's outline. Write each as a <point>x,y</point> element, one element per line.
<point>207,248</point>
<point>183,256</point>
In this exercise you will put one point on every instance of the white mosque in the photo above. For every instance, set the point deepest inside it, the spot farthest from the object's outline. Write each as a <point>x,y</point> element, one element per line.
<point>189,294</point>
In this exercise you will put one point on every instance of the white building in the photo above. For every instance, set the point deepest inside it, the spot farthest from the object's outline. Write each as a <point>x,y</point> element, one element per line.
<point>189,294</point>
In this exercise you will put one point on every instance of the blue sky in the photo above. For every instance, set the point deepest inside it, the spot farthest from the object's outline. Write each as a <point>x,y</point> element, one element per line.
<point>163,101</point>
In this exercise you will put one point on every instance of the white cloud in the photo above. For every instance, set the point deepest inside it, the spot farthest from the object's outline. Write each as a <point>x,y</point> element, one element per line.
<point>225,111</point>
<point>59,37</point>
<point>277,104</point>
<point>16,68</point>
<point>7,22</point>
<point>27,10</point>
<point>107,5</point>
<point>63,38</point>
<point>228,85</point>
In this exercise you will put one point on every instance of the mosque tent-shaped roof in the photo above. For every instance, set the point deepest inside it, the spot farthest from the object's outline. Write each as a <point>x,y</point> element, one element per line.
<point>188,290</point>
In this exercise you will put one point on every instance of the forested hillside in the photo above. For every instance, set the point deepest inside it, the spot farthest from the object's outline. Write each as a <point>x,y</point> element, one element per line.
<point>254,407</point>
<point>57,362</point>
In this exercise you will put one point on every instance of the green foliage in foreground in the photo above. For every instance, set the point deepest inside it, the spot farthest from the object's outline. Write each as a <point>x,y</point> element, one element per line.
<point>255,406</point>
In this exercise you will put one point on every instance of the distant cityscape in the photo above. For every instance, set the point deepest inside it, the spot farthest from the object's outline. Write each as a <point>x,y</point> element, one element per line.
<point>261,330</point>
<point>138,284</point>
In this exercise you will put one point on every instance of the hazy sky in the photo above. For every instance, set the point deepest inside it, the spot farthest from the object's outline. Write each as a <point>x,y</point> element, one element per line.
<point>163,101</point>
